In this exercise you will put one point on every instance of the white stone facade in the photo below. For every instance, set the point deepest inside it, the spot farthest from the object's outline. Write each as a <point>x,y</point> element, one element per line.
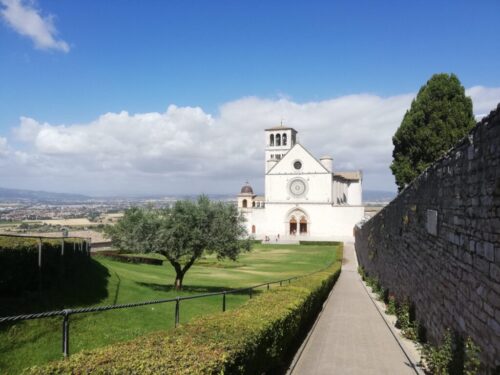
<point>304,197</point>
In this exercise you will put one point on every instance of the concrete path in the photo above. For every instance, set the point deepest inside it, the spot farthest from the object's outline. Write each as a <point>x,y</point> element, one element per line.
<point>350,336</point>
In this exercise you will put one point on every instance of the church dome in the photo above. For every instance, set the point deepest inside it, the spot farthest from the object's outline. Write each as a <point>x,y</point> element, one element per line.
<point>246,189</point>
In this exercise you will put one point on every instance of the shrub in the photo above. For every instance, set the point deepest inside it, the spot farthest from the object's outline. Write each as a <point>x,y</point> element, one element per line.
<point>471,360</point>
<point>256,338</point>
<point>409,328</point>
<point>129,258</point>
<point>391,305</point>
<point>19,269</point>
<point>321,243</point>
<point>438,358</point>
<point>361,271</point>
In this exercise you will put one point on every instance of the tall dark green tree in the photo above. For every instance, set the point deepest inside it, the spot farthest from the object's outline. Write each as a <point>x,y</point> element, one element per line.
<point>182,233</point>
<point>439,116</point>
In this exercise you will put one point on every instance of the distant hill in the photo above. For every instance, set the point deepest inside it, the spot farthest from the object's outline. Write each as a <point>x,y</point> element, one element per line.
<point>32,195</point>
<point>369,196</point>
<point>378,196</point>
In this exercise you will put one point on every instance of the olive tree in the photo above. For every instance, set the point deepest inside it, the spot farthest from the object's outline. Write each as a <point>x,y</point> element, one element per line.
<point>183,232</point>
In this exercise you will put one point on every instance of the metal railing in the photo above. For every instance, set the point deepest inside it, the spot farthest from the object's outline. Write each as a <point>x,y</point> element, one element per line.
<point>66,313</point>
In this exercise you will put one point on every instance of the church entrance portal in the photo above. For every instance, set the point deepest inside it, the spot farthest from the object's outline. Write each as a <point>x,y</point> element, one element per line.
<point>298,223</point>
<point>300,227</point>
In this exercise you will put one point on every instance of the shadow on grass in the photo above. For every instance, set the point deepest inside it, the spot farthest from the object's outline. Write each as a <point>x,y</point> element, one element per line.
<point>197,289</point>
<point>219,264</point>
<point>117,292</point>
<point>85,286</point>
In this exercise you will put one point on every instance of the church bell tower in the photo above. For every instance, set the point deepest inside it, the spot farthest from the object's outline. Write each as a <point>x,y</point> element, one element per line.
<point>279,140</point>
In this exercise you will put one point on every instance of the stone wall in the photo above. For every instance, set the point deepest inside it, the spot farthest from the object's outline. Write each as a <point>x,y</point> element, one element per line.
<point>438,242</point>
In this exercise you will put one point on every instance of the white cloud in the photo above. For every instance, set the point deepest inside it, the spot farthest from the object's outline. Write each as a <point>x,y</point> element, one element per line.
<point>485,99</point>
<point>185,150</point>
<point>27,21</point>
<point>3,147</point>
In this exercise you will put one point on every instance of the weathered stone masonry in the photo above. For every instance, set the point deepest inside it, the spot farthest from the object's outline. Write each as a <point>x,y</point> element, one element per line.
<point>438,242</point>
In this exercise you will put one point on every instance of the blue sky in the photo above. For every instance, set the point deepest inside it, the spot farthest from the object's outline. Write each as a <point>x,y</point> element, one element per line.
<point>79,61</point>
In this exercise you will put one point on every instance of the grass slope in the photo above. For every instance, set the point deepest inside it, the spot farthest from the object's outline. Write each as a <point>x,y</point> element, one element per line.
<point>37,342</point>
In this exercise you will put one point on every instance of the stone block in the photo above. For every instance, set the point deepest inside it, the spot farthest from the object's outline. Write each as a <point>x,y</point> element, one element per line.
<point>488,309</point>
<point>480,249</point>
<point>494,300</point>
<point>494,326</point>
<point>495,272</point>
<point>481,265</point>
<point>480,314</point>
<point>489,251</point>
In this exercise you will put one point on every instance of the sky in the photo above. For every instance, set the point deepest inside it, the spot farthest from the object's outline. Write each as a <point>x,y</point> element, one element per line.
<point>112,98</point>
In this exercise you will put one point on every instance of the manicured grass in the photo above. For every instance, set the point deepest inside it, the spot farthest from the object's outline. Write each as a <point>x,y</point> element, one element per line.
<point>36,342</point>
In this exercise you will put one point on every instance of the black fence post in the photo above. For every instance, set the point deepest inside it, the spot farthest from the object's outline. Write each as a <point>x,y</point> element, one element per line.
<point>177,312</point>
<point>267,286</point>
<point>65,336</point>
<point>250,292</point>
<point>281,283</point>
<point>224,302</point>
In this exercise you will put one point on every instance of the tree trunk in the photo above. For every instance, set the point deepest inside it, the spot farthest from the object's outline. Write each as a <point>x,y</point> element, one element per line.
<point>179,270</point>
<point>178,281</point>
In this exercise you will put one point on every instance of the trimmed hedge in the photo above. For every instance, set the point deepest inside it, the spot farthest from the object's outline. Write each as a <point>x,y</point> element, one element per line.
<point>259,337</point>
<point>321,243</point>
<point>19,269</point>
<point>114,255</point>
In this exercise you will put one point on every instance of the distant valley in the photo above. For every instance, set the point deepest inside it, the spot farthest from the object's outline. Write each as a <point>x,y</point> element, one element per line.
<point>24,195</point>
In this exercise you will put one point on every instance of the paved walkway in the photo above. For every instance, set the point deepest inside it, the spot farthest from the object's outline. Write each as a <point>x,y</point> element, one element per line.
<point>350,336</point>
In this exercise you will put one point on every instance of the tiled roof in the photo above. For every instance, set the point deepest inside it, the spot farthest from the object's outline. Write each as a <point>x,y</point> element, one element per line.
<point>351,175</point>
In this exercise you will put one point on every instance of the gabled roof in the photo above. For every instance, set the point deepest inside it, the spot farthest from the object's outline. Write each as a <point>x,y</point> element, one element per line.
<point>303,148</point>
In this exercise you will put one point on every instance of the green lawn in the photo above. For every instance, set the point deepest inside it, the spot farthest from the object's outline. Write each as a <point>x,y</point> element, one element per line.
<point>109,282</point>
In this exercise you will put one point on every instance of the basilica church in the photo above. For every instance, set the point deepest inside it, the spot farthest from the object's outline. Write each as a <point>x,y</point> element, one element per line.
<point>304,198</point>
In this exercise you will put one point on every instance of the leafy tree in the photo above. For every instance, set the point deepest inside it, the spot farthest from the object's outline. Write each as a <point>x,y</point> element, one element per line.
<point>182,233</point>
<point>439,116</point>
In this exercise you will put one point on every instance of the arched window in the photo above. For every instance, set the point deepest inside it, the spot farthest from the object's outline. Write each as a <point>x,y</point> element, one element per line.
<point>303,225</point>
<point>245,204</point>
<point>253,204</point>
<point>253,229</point>
<point>283,139</point>
<point>271,140</point>
<point>278,140</point>
<point>293,226</point>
